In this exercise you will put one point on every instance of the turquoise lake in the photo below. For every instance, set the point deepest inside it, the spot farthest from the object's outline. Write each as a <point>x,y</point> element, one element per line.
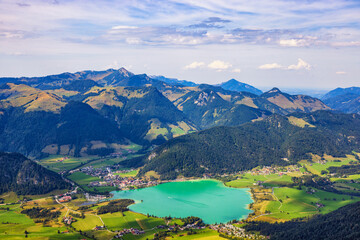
<point>207,199</point>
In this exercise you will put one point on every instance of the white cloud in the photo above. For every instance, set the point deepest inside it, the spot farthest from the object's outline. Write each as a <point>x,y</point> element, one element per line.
<point>340,72</point>
<point>133,40</point>
<point>236,70</point>
<point>194,65</point>
<point>271,66</point>
<point>121,27</point>
<point>300,65</point>
<point>219,65</point>
<point>293,43</point>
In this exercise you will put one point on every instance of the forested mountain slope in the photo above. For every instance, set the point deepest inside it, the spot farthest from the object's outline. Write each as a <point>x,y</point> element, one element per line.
<point>277,140</point>
<point>342,223</point>
<point>24,176</point>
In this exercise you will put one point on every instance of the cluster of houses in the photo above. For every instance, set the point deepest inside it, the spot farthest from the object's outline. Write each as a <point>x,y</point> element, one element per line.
<point>186,227</point>
<point>94,198</point>
<point>62,159</point>
<point>275,170</point>
<point>68,220</point>
<point>133,231</point>
<point>64,198</point>
<point>99,227</point>
<point>233,231</point>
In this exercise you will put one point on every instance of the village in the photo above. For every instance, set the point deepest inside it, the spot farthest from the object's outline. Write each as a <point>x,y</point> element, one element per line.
<point>233,231</point>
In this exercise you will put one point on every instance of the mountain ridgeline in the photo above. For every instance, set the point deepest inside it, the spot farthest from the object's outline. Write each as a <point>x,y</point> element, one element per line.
<point>75,113</point>
<point>280,140</point>
<point>23,176</point>
<point>344,99</point>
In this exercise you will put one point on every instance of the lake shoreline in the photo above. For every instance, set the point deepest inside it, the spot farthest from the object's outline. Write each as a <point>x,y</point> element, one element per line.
<point>191,198</point>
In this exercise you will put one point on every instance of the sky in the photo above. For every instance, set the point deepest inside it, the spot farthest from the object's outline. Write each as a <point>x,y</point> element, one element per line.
<point>266,43</point>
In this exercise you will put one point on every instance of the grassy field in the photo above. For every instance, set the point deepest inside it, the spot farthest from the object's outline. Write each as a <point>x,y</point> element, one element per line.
<point>316,168</point>
<point>248,180</point>
<point>128,219</point>
<point>56,164</point>
<point>128,174</point>
<point>82,178</point>
<point>110,161</point>
<point>293,203</point>
<point>13,225</point>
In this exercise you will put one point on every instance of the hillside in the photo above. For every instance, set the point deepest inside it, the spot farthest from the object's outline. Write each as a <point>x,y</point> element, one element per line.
<point>107,116</point>
<point>294,103</point>
<point>234,85</point>
<point>31,99</point>
<point>344,99</point>
<point>174,81</point>
<point>341,91</point>
<point>143,114</point>
<point>342,223</point>
<point>23,176</point>
<point>347,103</point>
<point>210,106</point>
<point>266,142</point>
<point>69,132</point>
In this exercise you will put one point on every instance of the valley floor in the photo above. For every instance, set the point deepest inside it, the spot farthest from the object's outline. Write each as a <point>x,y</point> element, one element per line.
<point>279,193</point>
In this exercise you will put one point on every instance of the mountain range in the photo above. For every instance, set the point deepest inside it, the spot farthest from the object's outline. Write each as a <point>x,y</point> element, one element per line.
<point>61,114</point>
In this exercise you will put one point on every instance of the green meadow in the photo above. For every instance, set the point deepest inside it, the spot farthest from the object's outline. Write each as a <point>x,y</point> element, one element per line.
<point>82,178</point>
<point>248,180</point>
<point>55,163</point>
<point>128,174</point>
<point>316,168</point>
<point>293,203</point>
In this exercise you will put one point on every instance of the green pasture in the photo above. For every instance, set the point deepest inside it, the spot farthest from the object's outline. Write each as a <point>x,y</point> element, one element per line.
<point>128,174</point>
<point>248,180</point>
<point>55,164</point>
<point>82,178</point>
<point>294,203</point>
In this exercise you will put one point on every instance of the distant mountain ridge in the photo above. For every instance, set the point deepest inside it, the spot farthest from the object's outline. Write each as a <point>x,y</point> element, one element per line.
<point>234,85</point>
<point>344,99</point>
<point>174,81</point>
<point>294,103</point>
<point>341,91</point>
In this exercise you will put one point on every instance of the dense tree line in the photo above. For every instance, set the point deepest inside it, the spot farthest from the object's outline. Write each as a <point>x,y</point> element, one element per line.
<point>193,220</point>
<point>263,143</point>
<point>24,176</point>
<point>38,212</point>
<point>345,170</point>
<point>342,223</point>
<point>120,205</point>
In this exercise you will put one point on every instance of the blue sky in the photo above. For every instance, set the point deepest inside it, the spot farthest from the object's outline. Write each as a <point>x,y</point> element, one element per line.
<point>306,44</point>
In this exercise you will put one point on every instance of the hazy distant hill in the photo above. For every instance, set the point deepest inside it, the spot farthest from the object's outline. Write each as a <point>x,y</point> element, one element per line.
<point>234,85</point>
<point>344,99</point>
<point>266,142</point>
<point>341,91</point>
<point>24,176</point>
<point>174,81</point>
<point>294,103</point>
